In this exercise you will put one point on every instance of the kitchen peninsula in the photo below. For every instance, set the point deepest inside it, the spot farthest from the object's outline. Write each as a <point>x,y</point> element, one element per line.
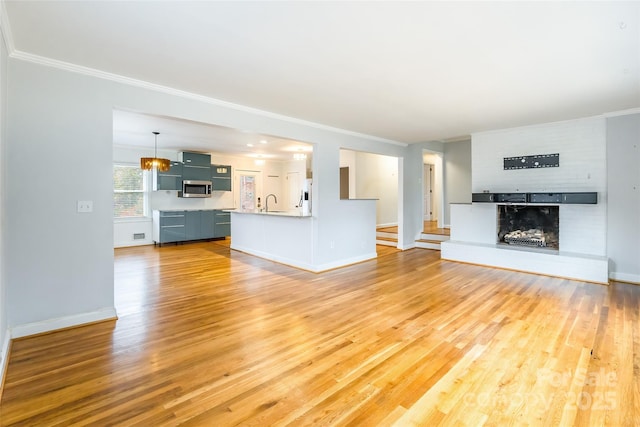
<point>281,236</point>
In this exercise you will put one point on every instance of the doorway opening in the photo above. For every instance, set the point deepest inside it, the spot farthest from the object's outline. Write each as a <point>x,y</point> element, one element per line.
<point>428,209</point>
<point>432,189</point>
<point>366,175</point>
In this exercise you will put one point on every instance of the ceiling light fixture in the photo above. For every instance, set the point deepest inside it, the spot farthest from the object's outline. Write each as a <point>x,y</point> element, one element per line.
<point>149,163</point>
<point>263,141</point>
<point>299,156</point>
<point>249,145</point>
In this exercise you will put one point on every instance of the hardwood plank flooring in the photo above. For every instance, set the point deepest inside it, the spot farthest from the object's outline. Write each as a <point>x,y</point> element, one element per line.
<point>212,337</point>
<point>429,227</point>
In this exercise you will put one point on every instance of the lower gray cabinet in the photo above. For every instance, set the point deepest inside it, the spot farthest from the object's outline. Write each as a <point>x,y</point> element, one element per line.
<point>222,224</point>
<point>192,225</point>
<point>199,225</point>
<point>207,224</point>
<point>168,226</point>
<point>182,226</point>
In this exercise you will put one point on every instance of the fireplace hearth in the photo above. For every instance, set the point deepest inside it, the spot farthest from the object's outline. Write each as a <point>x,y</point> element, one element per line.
<point>529,226</point>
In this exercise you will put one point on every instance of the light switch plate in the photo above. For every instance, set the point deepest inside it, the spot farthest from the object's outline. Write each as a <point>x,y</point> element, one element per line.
<point>85,206</point>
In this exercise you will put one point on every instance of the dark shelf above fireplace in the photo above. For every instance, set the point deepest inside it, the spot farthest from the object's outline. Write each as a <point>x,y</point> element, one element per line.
<point>583,198</point>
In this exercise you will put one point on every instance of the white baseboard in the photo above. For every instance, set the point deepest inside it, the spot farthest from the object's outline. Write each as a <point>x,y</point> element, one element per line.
<point>130,243</point>
<point>624,277</point>
<point>407,247</point>
<point>4,358</point>
<point>276,258</point>
<point>63,322</point>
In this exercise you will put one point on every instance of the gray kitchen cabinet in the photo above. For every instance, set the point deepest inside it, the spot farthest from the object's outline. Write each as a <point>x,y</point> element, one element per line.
<point>221,177</point>
<point>195,159</point>
<point>169,180</point>
<point>207,224</point>
<point>199,225</point>
<point>183,226</point>
<point>222,226</point>
<point>168,226</point>
<point>192,225</point>
<point>196,166</point>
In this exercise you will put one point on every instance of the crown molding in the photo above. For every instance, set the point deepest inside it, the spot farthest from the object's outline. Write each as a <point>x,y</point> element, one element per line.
<point>74,68</point>
<point>623,112</point>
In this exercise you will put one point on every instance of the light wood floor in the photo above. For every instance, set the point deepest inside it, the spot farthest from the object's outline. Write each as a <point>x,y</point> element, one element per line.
<point>213,337</point>
<point>429,227</point>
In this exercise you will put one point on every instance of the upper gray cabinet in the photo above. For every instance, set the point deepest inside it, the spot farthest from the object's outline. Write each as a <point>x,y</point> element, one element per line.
<point>169,180</point>
<point>221,177</point>
<point>193,167</point>
<point>196,166</point>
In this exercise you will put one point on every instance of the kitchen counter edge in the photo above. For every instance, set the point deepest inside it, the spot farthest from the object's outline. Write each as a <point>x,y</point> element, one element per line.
<point>292,214</point>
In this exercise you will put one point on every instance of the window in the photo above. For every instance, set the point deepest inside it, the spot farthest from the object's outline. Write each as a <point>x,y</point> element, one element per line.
<point>129,192</point>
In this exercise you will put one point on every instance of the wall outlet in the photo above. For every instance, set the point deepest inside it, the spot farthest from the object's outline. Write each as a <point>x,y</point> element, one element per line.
<point>85,206</point>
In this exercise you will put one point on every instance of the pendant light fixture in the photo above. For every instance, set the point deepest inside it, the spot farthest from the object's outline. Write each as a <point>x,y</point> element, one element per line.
<point>149,163</point>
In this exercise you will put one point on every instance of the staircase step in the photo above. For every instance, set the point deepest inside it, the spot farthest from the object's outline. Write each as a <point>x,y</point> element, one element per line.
<point>386,239</point>
<point>428,244</point>
<point>434,237</point>
<point>386,234</point>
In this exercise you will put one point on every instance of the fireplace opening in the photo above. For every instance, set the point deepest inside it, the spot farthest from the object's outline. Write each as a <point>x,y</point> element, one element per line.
<point>529,226</point>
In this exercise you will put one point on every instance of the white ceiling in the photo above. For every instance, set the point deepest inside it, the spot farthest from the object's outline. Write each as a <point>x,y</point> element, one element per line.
<point>132,129</point>
<point>404,71</point>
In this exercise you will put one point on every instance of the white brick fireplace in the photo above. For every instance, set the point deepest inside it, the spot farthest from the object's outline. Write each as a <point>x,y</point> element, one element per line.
<point>581,145</point>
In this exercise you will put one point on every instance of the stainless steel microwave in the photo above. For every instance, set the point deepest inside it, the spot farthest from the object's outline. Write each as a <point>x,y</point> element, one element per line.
<point>195,189</point>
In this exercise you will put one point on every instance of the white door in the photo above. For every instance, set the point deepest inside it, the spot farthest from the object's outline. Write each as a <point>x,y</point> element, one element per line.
<point>249,185</point>
<point>293,185</point>
<point>428,192</point>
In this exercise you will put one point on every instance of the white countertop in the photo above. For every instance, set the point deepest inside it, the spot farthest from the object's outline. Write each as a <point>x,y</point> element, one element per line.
<point>296,213</point>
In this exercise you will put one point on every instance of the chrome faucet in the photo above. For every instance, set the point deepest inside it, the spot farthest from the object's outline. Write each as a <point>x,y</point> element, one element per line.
<point>266,201</point>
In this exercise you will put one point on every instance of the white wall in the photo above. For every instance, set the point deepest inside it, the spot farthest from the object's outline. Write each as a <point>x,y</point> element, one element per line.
<point>376,177</point>
<point>387,209</point>
<point>59,270</point>
<point>623,177</point>
<point>582,148</point>
<point>4,333</point>
<point>581,144</point>
<point>457,176</point>
<point>59,135</point>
